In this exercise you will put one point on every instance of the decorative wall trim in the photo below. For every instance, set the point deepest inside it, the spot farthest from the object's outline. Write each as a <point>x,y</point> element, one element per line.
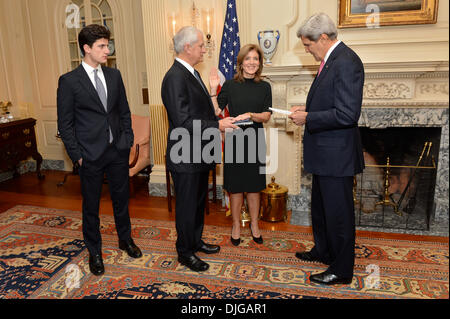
<point>394,90</point>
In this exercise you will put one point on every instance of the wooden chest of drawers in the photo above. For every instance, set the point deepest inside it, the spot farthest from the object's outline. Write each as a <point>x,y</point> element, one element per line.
<point>18,143</point>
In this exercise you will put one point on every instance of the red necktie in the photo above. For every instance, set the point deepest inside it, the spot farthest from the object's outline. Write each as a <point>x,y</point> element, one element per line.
<point>321,67</point>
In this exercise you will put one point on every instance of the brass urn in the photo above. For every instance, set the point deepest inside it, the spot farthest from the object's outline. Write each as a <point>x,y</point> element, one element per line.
<point>274,202</point>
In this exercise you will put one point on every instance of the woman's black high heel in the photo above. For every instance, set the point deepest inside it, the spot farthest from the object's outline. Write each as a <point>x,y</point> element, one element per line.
<point>258,240</point>
<point>235,242</point>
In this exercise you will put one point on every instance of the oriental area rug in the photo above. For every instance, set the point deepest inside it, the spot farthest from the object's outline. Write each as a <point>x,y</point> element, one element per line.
<point>42,256</point>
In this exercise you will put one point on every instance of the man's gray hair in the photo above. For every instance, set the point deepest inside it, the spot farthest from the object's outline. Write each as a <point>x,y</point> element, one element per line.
<point>186,35</point>
<point>316,25</point>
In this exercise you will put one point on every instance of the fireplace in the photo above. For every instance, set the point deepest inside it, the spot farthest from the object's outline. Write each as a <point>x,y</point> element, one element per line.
<point>396,190</point>
<point>421,125</point>
<point>405,131</point>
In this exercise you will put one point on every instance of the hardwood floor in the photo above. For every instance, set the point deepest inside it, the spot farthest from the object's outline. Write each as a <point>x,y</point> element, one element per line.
<point>29,190</point>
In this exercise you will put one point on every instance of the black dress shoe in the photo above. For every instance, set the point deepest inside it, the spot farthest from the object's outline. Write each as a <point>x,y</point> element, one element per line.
<point>130,247</point>
<point>235,242</point>
<point>96,265</point>
<point>308,256</point>
<point>327,278</point>
<point>209,249</point>
<point>193,262</point>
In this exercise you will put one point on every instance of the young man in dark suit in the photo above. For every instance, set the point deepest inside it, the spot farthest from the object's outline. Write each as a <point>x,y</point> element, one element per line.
<point>190,112</point>
<point>94,122</point>
<point>332,147</point>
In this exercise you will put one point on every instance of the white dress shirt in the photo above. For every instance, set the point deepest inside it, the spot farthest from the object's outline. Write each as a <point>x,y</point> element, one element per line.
<point>186,65</point>
<point>90,72</point>
<point>331,50</point>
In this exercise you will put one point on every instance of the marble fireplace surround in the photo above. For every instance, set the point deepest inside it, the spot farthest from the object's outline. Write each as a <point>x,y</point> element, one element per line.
<point>395,95</point>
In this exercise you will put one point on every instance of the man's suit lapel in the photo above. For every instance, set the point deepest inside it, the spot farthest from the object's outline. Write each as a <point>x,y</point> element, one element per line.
<point>191,78</point>
<point>87,84</point>
<point>319,78</point>
<point>204,91</point>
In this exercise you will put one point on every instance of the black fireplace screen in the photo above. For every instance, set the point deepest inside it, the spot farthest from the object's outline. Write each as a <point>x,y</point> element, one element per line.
<point>396,190</point>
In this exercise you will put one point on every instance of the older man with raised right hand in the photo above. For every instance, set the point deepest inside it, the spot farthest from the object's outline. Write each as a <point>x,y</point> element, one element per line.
<point>188,106</point>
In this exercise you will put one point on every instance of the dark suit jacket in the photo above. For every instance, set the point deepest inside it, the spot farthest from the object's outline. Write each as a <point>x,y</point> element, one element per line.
<point>332,143</point>
<point>186,101</point>
<point>83,123</point>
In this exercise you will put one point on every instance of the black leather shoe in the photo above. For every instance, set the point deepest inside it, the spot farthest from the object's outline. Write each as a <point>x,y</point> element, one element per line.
<point>96,265</point>
<point>193,262</point>
<point>131,248</point>
<point>308,256</point>
<point>209,249</point>
<point>235,242</point>
<point>327,278</point>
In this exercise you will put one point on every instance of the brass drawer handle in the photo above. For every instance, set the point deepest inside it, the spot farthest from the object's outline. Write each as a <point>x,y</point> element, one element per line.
<point>5,135</point>
<point>26,131</point>
<point>28,144</point>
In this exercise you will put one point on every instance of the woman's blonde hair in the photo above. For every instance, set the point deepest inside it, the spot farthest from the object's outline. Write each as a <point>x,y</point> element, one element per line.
<point>245,50</point>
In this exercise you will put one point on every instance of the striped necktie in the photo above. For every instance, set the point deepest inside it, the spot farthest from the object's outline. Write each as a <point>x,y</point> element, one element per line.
<point>102,95</point>
<point>199,79</point>
<point>100,90</point>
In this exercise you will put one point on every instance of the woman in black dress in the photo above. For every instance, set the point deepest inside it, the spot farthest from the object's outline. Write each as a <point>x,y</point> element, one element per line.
<point>248,97</point>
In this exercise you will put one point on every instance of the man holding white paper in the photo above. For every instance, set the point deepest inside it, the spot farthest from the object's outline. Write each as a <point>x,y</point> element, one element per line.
<point>188,104</point>
<point>332,147</point>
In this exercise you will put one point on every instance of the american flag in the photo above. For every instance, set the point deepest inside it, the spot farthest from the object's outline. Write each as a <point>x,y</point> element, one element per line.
<point>229,47</point>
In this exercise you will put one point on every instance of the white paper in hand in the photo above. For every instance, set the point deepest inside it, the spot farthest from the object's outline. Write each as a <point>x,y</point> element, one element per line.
<point>280,111</point>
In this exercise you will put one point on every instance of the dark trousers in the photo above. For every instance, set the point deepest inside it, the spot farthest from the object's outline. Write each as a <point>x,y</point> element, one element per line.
<point>115,165</point>
<point>333,223</point>
<point>190,195</point>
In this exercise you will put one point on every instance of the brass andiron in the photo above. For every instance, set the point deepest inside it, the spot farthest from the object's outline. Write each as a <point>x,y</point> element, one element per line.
<point>387,200</point>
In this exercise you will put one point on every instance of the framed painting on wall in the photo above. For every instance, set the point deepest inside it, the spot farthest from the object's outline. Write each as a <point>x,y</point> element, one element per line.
<point>375,13</point>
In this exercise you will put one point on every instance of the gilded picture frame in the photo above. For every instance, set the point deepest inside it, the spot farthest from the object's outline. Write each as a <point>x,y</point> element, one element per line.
<point>375,13</point>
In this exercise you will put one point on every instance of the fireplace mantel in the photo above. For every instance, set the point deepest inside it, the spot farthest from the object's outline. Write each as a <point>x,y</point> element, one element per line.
<point>370,68</point>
